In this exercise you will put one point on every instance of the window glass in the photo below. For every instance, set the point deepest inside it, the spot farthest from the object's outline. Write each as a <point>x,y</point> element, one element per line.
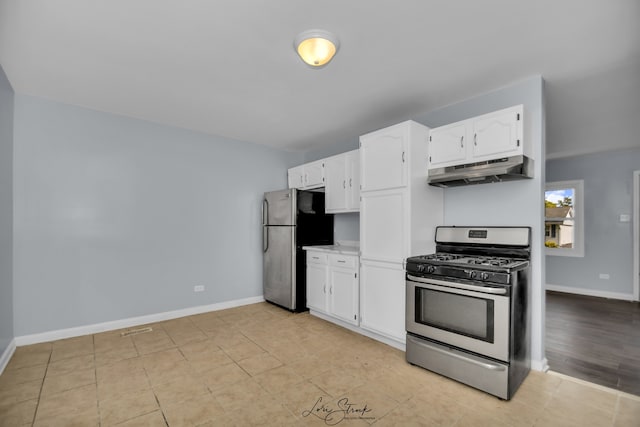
<point>563,207</point>
<point>559,218</point>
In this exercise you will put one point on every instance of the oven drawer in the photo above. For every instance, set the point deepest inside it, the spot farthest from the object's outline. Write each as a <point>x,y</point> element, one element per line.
<point>483,374</point>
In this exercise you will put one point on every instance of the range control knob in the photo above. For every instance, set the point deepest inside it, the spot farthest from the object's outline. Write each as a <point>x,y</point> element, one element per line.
<point>421,268</point>
<point>431,269</point>
<point>484,276</point>
<point>473,274</point>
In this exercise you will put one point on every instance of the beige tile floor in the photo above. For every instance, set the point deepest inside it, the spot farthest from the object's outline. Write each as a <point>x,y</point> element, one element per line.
<point>260,365</point>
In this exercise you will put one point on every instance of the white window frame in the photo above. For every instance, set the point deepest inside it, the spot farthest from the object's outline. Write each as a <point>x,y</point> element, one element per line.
<point>578,218</point>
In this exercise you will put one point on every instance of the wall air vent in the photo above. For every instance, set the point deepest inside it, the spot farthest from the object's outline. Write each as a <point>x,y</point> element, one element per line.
<point>135,331</point>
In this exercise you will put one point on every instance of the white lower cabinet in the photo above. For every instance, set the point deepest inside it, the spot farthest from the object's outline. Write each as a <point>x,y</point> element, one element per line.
<point>382,299</point>
<point>316,286</point>
<point>332,285</point>
<point>343,294</point>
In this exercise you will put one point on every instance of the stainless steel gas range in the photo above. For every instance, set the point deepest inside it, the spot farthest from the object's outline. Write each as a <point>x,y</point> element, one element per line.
<point>467,307</point>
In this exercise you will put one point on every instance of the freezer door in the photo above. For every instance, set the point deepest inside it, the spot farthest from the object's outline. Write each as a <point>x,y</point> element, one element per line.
<point>279,266</point>
<point>279,208</point>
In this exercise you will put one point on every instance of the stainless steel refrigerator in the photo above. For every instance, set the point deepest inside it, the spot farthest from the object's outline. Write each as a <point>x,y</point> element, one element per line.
<point>291,219</point>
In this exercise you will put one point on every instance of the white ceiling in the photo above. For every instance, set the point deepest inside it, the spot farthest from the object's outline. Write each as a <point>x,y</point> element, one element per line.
<point>228,67</point>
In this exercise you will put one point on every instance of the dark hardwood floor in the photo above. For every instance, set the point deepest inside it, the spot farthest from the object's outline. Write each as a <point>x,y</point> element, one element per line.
<point>594,339</point>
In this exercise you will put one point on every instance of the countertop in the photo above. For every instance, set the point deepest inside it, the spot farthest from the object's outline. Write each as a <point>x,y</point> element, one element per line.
<point>344,249</point>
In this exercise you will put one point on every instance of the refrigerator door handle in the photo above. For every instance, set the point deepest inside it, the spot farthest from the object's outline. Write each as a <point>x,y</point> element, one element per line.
<point>265,238</point>
<point>265,211</point>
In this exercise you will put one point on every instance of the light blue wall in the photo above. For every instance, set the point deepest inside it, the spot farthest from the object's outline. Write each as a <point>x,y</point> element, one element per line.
<point>346,225</point>
<point>608,243</point>
<point>517,203</point>
<point>6,212</point>
<point>117,217</point>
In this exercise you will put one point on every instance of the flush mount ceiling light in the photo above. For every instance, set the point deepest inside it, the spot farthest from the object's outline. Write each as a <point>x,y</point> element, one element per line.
<point>316,47</point>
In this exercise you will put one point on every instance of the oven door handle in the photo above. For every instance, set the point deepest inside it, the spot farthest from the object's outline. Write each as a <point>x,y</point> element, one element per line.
<point>460,356</point>
<point>483,289</point>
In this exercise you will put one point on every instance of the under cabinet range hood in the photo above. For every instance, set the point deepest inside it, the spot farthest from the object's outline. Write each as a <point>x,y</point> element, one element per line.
<point>498,170</point>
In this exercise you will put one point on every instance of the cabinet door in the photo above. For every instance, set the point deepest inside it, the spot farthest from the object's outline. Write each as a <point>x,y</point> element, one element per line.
<point>384,225</point>
<point>382,299</point>
<point>353,181</point>
<point>343,294</point>
<point>497,134</point>
<point>314,174</point>
<point>448,145</point>
<point>316,287</point>
<point>383,159</point>
<point>296,177</point>
<point>335,186</point>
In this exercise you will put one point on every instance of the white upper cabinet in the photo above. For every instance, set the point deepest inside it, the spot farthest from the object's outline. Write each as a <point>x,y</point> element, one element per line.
<point>498,134</point>
<point>296,177</point>
<point>448,145</point>
<point>487,137</point>
<point>307,176</point>
<point>353,184</point>
<point>314,174</point>
<point>383,155</point>
<point>335,189</point>
<point>398,212</point>
<point>342,188</point>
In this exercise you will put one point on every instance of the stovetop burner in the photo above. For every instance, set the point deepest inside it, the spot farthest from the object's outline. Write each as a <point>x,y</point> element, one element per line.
<point>442,258</point>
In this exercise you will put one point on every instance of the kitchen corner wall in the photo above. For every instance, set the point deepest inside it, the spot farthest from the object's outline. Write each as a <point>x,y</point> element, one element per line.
<point>6,213</point>
<point>608,192</point>
<point>117,217</point>
<point>517,203</point>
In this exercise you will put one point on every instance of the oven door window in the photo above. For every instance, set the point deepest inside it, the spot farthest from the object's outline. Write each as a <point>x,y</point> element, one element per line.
<point>460,314</point>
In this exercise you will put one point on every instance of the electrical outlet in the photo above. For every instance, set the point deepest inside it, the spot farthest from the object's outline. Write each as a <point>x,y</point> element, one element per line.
<point>198,288</point>
<point>604,276</point>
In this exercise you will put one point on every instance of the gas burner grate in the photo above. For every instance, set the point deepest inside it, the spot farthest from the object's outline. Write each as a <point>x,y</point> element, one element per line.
<point>460,260</point>
<point>439,256</point>
<point>487,261</point>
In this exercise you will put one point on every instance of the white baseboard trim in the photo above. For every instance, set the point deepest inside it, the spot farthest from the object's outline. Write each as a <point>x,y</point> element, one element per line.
<point>359,330</point>
<point>540,365</point>
<point>6,355</point>
<point>132,321</point>
<point>596,386</point>
<point>589,292</point>
<point>388,341</point>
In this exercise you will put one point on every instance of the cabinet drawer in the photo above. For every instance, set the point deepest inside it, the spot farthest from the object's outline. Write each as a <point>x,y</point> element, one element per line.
<point>316,258</point>
<point>344,261</point>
